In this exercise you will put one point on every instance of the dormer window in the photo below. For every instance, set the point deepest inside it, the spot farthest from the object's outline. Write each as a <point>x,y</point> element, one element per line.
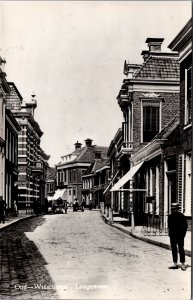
<point>188,96</point>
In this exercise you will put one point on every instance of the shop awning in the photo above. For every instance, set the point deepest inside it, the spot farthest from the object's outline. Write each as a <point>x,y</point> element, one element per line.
<point>50,198</point>
<point>128,176</point>
<point>59,194</point>
<point>109,185</point>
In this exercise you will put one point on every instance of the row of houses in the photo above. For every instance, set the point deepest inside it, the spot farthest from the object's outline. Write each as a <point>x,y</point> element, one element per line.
<point>147,165</point>
<point>23,163</point>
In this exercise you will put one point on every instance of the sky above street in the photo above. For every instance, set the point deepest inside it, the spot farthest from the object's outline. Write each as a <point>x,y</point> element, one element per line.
<point>71,55</point>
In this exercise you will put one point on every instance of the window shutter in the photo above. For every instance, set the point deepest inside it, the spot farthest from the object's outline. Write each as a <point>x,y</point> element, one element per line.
<point>181,181</point>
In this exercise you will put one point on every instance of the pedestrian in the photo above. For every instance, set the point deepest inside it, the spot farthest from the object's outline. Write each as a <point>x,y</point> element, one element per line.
<point>76,204</point>
<point>90,204</point>
<point>15,209</point>
<point>53,207</point>
<point>65,206</point>
<point>83,204</point>
<point>177,226</point>
<point>2,210</point>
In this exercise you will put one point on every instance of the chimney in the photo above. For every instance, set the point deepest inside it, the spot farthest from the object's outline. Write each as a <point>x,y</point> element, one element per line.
<point>130,69</point>
<point>77,145</point>
<point>98,155</point>
<point>145,54</point>
<point>31,105</point>
<point>88,142</point>
<point>154,44</point>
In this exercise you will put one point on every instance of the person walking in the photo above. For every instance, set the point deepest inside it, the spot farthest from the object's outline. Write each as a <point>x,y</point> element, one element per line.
<point>177,226</point>
<point>90,204</point>
<point>15,209</point>
<point>65,206</point>
<point>83,204</point>
<point>76,204</point>
<point>2,210</point>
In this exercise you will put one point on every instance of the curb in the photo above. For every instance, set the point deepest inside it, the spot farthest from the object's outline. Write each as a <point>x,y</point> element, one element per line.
<point>159,244</point>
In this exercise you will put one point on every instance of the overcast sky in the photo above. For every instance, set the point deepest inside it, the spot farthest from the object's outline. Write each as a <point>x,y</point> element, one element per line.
<point>71,54</point>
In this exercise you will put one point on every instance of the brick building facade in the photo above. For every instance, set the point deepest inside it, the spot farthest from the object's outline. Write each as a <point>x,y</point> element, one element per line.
<point>12,130</point>
<point>32,160</point>
<point>149,100</point>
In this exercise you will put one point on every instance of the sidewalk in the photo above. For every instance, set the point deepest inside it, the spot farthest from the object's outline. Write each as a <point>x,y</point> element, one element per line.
<point>11,220</point>
<point>158,240</point>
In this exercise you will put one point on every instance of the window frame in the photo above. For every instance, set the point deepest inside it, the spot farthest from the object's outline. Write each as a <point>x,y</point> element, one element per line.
<point>187,114</point>
<point>153,100</point>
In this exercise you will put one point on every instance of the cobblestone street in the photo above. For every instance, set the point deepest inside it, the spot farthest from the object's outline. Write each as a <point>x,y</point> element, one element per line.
<point>22,263</point>
<point>83,258</point>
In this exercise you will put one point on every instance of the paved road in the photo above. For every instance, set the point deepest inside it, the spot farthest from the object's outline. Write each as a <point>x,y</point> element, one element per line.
<point>21,263</point>
<point>83,258</point>
<point>83,251</point>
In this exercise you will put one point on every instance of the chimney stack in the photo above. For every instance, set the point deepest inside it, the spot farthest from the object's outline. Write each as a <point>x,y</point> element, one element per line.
<point>88,142</point>
<point>77,145</point>
<point>98,154</point>
<point>145,54</point>
<point>154,44</point>
<point>31,105</point>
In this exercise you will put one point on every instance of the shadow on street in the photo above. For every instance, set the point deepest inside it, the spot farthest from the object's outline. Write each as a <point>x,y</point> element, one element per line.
<point>23,273</point>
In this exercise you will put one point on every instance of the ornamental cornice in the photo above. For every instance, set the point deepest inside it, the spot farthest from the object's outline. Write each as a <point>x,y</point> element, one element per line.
<point>151,95</point>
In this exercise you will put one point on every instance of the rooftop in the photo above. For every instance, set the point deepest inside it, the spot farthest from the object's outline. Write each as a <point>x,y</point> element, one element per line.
<point>159,67</point>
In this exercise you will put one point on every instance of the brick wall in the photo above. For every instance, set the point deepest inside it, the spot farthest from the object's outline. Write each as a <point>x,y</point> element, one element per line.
<point>170,107</point>
<point>13,102</point>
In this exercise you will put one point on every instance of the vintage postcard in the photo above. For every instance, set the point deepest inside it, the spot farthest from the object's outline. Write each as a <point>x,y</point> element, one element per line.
<point>95,150</point>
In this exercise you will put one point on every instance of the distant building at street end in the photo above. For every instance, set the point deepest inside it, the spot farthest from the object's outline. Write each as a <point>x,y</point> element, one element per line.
<point>72,166</point>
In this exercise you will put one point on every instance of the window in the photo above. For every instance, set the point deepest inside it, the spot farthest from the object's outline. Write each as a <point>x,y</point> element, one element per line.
<point>70,175</point>
<point>188,96</point>
<point>64,175</point>
<point>188,184</point>
<point>74,175</point>
<point>150,120</point>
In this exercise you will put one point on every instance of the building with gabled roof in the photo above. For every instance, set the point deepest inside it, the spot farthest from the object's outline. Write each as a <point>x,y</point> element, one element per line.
<point>73,165</point>
<point>167,159</point>
<point>149,100</point>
